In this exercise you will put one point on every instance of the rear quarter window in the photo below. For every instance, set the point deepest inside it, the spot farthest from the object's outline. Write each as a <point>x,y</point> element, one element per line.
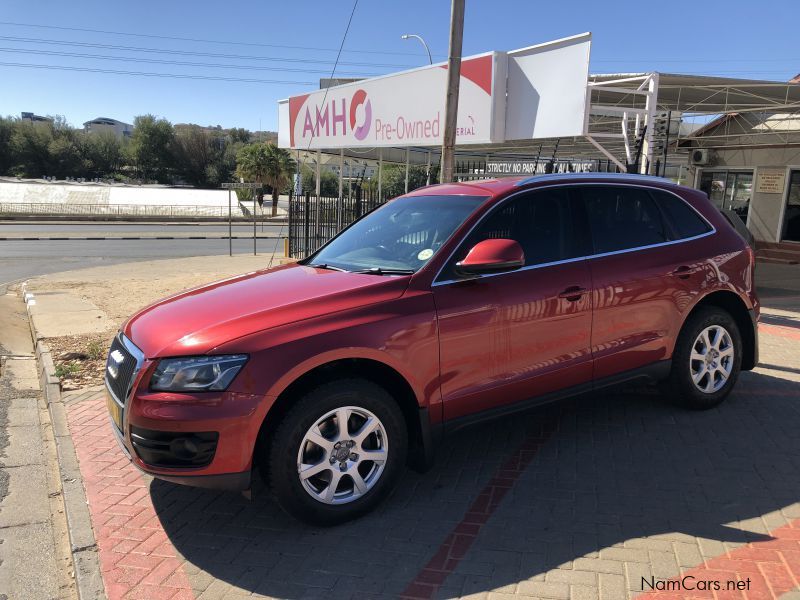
<point>682,220</point>
<point>622,218</point>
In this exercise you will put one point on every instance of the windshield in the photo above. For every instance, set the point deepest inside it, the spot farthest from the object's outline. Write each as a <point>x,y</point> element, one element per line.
<point>402,235</point>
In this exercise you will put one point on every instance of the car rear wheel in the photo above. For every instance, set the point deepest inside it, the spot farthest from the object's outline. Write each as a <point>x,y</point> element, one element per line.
<point>706,361</point>
<point>337,452</point>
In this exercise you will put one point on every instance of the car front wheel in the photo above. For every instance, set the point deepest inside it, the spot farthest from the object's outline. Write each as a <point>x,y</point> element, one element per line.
<point>337,452</point>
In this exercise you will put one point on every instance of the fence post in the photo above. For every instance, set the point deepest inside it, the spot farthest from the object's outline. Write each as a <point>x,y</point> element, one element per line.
<point>358,202</point>
<point>306,223</point>
<point>292,200</point>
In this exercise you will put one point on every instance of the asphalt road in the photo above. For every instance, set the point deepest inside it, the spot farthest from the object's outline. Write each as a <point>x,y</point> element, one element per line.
<point>21,260</point>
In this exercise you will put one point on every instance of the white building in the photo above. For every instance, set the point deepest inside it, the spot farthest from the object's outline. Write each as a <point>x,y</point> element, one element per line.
<point>99,124</point>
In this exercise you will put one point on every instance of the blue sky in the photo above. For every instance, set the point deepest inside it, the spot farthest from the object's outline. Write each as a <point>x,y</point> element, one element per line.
<point>733,38</point>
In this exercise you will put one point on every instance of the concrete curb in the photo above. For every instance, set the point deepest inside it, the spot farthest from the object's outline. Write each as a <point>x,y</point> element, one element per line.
<point>83,546</point>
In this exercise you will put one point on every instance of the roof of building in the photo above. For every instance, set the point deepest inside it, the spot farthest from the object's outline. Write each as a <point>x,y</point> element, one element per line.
<point>106,121</point>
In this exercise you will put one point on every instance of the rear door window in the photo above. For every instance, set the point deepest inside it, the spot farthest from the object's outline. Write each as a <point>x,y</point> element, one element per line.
<point>622,218</point>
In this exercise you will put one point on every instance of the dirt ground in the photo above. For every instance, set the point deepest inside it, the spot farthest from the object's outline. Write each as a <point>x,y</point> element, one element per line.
<point>122,290</point>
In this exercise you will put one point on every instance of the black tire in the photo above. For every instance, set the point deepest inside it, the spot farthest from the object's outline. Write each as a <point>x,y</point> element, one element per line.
<point>282,462</point>
<point>680,387</point>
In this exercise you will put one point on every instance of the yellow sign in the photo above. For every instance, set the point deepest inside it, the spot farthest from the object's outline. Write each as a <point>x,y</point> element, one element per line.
<point>771,182</point>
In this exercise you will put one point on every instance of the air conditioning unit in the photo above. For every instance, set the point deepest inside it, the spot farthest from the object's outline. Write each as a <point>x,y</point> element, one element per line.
<point>701,156</point>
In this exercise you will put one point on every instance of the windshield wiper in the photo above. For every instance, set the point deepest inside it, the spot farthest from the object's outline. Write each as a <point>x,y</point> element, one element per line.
<point>382,271</point>
<point>326,266</point>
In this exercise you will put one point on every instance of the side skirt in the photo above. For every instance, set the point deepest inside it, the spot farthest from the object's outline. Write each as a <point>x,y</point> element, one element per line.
<point>651,373</point>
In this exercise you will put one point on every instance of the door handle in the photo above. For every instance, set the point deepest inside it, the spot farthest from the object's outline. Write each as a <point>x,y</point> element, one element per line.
<point>684,271</point>
<point>573,293</point>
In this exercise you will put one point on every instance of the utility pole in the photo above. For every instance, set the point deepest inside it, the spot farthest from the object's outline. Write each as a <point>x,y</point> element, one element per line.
<point>453,79</point>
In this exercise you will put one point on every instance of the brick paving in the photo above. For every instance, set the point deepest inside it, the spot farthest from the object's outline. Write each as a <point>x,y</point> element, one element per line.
<point>581,500</point>
<point>136,557</point>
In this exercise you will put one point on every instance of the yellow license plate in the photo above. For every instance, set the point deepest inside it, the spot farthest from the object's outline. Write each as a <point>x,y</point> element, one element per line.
<point>115,410</point>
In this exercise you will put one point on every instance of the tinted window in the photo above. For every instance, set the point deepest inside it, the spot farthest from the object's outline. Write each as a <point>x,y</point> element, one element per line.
<point>682,220</point>
<point>621,218</point>
<point>541,222</point>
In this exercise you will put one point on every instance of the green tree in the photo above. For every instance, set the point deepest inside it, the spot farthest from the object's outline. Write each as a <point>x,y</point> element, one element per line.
<point>328,182</point>
<point>103,154</point>
<point>266,164</point>
<point>193,152</point>
<point>151,147</point>
<point>239,135</point>
<point>7,155</point>
<point>394,179</point>
<point>30,146</point>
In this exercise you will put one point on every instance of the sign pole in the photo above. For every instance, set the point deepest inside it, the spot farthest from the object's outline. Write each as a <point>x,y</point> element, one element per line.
<point>453,77</point>
<point>255,195</point>
<point>406,170</point>
<point>230,225</point>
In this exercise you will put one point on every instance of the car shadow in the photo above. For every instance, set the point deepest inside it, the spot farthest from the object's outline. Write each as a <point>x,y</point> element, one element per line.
<point>621,465</point>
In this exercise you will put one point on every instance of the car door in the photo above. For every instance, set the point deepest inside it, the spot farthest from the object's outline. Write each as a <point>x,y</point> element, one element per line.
<point>516,335</point>
<point>642,277</point>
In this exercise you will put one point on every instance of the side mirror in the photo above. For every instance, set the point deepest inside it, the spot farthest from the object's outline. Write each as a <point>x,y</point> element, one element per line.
<point>492,256</point>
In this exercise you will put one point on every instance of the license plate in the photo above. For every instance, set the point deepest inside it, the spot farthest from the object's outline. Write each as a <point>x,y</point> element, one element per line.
<point>115,410</point>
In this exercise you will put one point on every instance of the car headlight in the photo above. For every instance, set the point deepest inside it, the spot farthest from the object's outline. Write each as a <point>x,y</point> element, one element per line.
<point>196,373</point>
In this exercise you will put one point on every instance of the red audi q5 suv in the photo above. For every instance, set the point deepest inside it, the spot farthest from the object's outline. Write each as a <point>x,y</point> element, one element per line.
<point>442,307</point>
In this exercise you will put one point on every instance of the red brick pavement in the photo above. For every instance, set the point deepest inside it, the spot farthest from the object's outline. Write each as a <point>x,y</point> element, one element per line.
<point>138,560</point>
<point>769,569</point>
<point>136,557</point>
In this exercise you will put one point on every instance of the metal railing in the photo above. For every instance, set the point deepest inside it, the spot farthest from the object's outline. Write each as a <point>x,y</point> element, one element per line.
<point>42,209</point>
<point>315,220</point>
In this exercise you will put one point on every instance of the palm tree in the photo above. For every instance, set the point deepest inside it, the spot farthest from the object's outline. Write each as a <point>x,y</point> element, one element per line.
<point>267,164</point>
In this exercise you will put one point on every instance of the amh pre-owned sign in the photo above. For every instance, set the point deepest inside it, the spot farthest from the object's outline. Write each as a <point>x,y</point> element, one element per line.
<point>530,93</point>
<point>401,109</point>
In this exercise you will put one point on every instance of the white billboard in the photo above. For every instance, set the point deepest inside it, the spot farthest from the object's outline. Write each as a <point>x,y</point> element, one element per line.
<point>533,92</point>
<point>547,89</point>
<point>401,109</point>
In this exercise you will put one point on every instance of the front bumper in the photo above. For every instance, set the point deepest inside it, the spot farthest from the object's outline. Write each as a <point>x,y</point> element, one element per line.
<point>204,440</point>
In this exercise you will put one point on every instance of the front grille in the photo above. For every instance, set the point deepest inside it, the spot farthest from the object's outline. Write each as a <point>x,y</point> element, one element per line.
<point>174,449</point>
<point>121,366</point>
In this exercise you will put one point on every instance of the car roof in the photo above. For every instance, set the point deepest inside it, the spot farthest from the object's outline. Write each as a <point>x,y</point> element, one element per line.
<point>494,187</point>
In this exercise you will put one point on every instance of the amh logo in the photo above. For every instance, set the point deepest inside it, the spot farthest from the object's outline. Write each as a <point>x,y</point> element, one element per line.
<point>327,121</point>
<point>359,98</point>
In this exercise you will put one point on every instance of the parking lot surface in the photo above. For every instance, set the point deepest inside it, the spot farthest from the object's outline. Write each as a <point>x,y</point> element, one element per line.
<point>613,495</point>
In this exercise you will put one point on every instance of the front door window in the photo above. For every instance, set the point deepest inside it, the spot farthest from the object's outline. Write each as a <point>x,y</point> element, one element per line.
<point>791,219</point>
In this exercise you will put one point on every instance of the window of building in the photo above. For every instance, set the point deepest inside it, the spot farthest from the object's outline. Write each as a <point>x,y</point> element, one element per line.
<point>621,218</point>
<point>791,218</point>
<point>729,190</point>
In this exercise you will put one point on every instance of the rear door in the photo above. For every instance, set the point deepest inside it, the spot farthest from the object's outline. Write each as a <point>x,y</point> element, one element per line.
<point>512,336</point>
<point>648,264</point>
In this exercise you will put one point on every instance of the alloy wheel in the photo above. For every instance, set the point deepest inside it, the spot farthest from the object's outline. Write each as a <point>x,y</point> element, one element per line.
<point>711,359</point>
<point>342,455</point>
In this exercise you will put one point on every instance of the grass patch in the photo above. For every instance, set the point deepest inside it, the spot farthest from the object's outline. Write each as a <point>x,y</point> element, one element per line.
<point>67,370</point>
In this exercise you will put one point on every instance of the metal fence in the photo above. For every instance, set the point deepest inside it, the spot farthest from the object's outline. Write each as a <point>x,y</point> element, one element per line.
<point>20,209</point>
<point>315,220</point>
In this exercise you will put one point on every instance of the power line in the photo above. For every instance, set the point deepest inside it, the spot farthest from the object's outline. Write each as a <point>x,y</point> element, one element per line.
<point>204,41</point>
<point>173,62</point>
<point>333,70</point>
<point>191,53</point>
<point>694,60</point>
<point>146,74</point>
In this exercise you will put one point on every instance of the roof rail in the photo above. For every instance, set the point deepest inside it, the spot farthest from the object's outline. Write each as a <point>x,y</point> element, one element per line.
<point>592,175</point>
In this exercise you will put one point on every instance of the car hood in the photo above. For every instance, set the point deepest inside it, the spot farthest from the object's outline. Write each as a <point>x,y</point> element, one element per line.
<point>196,321</point>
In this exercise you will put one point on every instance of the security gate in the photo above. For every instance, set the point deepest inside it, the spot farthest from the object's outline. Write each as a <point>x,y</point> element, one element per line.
<point>314,220</point>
